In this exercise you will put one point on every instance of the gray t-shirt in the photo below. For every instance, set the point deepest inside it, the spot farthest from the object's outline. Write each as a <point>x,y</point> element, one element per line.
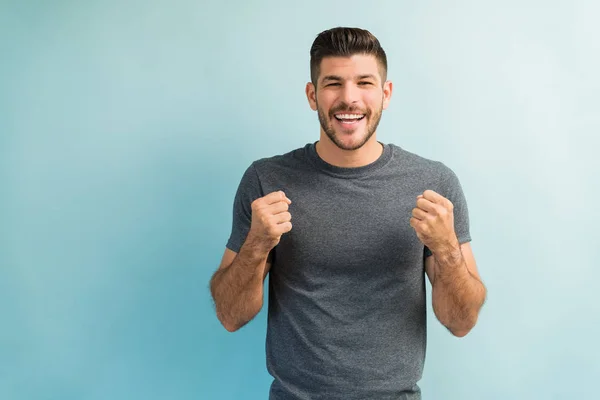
<point>347,309</point>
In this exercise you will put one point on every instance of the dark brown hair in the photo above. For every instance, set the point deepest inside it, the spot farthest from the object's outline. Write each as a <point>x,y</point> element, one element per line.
<point>345,42</point>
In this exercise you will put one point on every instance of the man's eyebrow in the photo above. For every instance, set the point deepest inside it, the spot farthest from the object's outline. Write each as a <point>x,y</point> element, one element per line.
<point>331,78</point>
<point>337,78</point>
<point>368,76</point>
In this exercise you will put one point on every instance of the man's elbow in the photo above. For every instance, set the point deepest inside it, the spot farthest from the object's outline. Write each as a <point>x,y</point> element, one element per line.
<point>230,327</point>
<point>459,333</point>
<point>465,327</point>
<point>232,324</point>
<point>229,324</point>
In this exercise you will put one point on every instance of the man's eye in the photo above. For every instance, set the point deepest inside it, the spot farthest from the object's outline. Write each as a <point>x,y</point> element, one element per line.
<point>363,83</point>
<point>333,84</point>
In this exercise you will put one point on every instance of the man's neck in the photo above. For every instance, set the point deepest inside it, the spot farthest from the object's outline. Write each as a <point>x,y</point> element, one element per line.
<point>333,155</point>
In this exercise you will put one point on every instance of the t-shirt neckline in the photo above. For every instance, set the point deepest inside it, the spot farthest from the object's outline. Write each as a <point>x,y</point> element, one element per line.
<point>348,172</point>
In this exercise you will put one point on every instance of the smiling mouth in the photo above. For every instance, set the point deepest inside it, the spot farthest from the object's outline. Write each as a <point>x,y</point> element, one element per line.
<point>349,118</point>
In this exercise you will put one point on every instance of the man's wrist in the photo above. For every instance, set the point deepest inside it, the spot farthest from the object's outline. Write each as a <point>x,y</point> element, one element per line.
<point>256,248</point>
<point>448,253</point>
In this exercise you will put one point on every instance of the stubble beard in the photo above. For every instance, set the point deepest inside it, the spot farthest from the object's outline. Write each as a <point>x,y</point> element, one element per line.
<point>372,123</point>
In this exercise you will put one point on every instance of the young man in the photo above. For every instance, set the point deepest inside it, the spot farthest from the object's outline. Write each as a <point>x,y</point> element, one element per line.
<point>346,316</point>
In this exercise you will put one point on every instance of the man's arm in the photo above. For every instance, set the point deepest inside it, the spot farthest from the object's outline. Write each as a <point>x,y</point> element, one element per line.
<point>237,286</point>
<point>458,292</point>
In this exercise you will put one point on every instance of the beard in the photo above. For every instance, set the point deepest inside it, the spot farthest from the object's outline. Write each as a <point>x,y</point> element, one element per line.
<point>372,119</point>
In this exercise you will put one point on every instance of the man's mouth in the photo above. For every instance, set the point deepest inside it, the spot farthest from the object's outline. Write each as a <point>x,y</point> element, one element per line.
<point>349,119</point>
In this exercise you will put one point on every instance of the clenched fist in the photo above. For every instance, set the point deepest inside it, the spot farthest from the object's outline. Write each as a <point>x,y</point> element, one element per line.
<point>270,220</point>
<point>433,220</point>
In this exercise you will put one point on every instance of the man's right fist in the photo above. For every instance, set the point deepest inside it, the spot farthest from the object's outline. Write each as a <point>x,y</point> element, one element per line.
<point>270,220</point>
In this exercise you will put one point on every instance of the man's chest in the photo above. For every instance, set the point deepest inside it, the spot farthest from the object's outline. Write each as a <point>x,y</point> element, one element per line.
<point>349,231</point>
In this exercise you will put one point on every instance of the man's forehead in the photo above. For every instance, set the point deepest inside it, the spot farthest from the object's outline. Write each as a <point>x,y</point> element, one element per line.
<point>359,65</point>
<point>356,60</point>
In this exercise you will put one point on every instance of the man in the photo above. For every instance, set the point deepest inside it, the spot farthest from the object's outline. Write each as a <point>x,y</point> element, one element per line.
<point>346,309</point>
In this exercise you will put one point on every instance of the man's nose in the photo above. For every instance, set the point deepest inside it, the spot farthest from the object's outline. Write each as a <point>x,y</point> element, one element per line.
<point>350,94</point>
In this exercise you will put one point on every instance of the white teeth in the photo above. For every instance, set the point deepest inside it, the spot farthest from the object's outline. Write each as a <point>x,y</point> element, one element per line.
<point>349,116</point>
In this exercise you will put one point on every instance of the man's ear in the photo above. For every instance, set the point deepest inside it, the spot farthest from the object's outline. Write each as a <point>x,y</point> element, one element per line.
<point>311,95</point>
<point>387,93</point>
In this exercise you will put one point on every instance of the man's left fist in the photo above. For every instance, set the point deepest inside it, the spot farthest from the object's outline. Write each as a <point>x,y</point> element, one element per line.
<point>433,220</point>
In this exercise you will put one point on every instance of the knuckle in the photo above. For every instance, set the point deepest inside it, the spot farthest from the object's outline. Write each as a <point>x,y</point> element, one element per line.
<point>271,231</point>
<point>264,218</point>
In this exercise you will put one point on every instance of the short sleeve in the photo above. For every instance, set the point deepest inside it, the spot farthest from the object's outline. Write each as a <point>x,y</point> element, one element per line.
<point>249,189</point>
<point>451,189</point>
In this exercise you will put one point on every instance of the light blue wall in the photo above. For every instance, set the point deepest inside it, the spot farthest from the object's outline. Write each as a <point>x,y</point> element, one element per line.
<point>125,128</point>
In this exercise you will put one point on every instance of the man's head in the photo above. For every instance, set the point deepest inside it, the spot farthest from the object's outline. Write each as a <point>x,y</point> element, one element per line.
<point>345,42</point>
<point>349,87</point>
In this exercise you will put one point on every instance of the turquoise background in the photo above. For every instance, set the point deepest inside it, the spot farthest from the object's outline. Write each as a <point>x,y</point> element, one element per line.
<point>126,126</point>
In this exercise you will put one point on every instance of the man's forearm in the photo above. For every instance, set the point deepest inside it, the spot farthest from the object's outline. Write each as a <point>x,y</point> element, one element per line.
<point>238,289</point>
<point>457,294</point>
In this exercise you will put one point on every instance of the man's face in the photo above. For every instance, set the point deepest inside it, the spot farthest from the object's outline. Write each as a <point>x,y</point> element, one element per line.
<point>349,98</point>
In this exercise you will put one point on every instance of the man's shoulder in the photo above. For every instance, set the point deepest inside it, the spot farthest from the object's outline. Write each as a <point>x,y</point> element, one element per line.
<point>289,158</point>
<point>417,160</point>
<point>436,172</point>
